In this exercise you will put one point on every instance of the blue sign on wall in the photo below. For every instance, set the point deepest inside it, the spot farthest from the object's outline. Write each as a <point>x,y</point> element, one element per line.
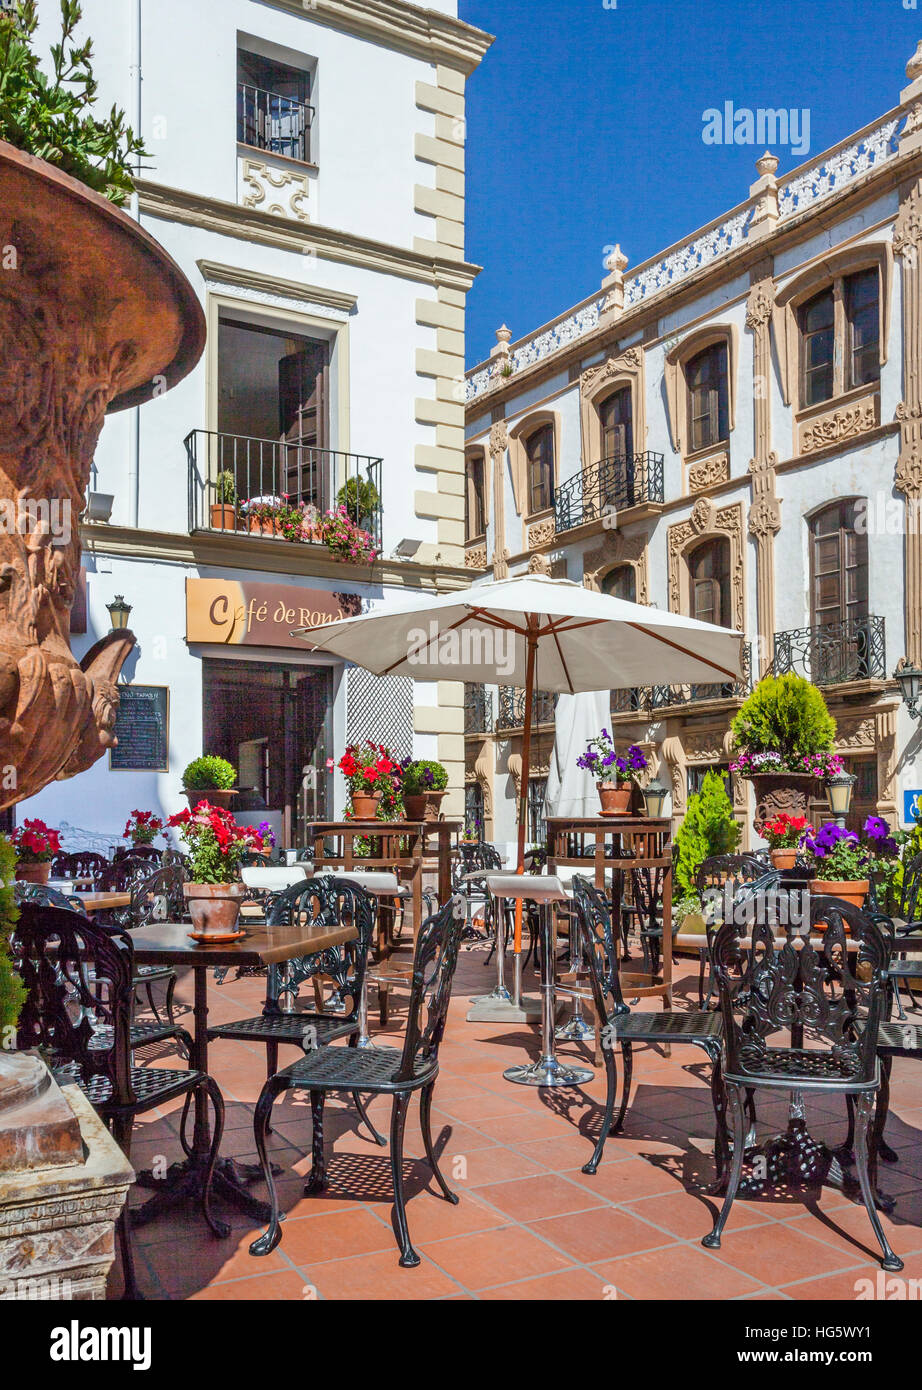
<point>912,806</point>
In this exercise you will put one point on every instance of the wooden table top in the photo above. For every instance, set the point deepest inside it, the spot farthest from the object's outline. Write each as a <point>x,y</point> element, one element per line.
<point>100,902</point>
<point>381,827</point>
<point>169,943</point>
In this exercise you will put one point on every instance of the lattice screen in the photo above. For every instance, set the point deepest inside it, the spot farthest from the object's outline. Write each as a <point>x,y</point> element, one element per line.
<point>380,708</point>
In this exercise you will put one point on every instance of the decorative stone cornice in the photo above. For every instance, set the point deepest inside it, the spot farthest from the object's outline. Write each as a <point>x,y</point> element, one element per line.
<point>248,279</point>
<point>249,224</point>
<point>423,33</point>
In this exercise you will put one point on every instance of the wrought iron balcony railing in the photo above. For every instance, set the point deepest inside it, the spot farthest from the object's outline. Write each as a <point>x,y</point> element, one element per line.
<point>609,487</point>
<point>227,471</point>
<point>834,653</point>
<point>511,713</point>
<point>657,697</point>
<point>478,710</point>
<point>269,121</point>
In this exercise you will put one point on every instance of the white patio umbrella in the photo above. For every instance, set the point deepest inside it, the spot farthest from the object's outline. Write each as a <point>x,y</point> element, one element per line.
<point>578,718</point>
<point>536,632</point>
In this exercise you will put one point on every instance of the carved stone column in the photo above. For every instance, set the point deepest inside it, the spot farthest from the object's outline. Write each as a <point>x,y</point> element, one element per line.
<point>764,511</point>
<point>499,443</point>
<point>907,241</point>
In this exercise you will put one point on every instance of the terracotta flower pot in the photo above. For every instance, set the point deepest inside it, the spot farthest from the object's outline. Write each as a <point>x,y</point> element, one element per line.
<point>214,908</point>
<point>781,791</point>
<point>433,804</point>
<point>33,871</point>
<point>784,858</point>
<point>615,798</point>
<point>365,805</point>
<point>223,517</point>
<point>259,527</point>
<point>415,806</point>
<point>854,892</point>
<point>215,796</point>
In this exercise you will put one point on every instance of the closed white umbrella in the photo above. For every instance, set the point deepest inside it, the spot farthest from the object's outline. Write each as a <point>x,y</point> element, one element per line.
<point>571,790</point>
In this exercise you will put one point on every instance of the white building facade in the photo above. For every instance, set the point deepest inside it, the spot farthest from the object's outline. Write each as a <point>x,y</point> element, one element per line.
<point>730,431</point>
<point>306,172</point>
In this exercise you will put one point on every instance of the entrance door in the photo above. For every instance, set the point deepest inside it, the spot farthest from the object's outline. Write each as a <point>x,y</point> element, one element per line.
<point>274,723</point>
<point>303,405</point>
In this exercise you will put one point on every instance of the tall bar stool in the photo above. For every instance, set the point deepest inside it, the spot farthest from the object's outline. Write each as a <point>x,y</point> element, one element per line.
<point>542,890</point>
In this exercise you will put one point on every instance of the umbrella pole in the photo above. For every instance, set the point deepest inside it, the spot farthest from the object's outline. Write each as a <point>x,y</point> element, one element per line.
<point>532,640</point>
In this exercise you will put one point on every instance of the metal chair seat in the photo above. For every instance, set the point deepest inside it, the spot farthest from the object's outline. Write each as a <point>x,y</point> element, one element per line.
<point>705,1029</point>
<point>802,1067</point>
<point>286,1028</point>
<point>140,1035</point>
<point>899,1039</point>
<point>151,1085</point>
<point>366,1070</point>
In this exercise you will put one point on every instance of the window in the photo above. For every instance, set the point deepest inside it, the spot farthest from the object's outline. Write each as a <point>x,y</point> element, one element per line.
<point>273,111</point>
<point>708,398</point>
<point>539,455</point>
<point>696,776</point>
<point>621,583</point>
<point>839,578</point>
<point>616,419</point>
<point>537,830</point>
<point>709,576</point>
<point>473,810</point>
<point>840,337</point>
<point>476,510</point>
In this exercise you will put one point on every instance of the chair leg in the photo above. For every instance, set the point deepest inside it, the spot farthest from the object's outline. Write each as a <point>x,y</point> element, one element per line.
<point>168,1002</point>
<point>845,1149</point>
<point>220,1228</point>
<point>149,990</point>
<point>273,1233</point>
<point>702,962</point>
<point>881,1147</point>
<point>425,1124</point>
<point>408,1256</point>
<point>317,1177</point>
<point>721,1140</point>
<point>627,1057</point>
<point>890,1262</point>
<point>611,1073</point>
<point>121,1130</point>
<point>186,1146</point>
<point>360,1107</point>
<point>712,1240</point>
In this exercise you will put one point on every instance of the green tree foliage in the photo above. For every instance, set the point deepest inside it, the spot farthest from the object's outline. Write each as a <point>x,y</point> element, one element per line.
<point>787,715</point>
<point>709,828</point>
<point>52,117</point>
<point>12,992</point>
<point>207,772</point>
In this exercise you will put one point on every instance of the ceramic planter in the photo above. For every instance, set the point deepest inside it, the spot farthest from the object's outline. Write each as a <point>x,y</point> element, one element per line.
<point>260,527</point>
<point>778,792</point>
<point>214,909</point>
<point>615,798</point>
<point>784,858</point>
<point>433,804</point>
<point>223,517</point>
<point>365,806</point>
<point>215,796</point>
<point>33,871</point>
<point>415,806</point>
<point>854,892</point>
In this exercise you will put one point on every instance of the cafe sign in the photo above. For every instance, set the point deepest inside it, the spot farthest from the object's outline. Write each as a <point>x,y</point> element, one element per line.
<point>239,613</point>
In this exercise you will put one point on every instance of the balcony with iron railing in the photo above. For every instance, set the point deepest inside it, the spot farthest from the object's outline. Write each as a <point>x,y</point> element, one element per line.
<point>478,709</point>
<point>652,699</point>
<point>609,487</point>
<point>834,653</point>
<point>511,712</point>
<point>274,123</point>
<point>230,473</point>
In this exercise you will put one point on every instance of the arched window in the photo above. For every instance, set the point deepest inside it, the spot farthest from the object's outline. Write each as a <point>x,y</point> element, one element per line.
<point>539,455</point>
<point>621,583</point>
<point>475,514</point>
<point>708,397</point>
<point>473,810</point>
<point>840,337</point>
<point>709,578</point>
<point>616,420</point>
<point>839,567</point>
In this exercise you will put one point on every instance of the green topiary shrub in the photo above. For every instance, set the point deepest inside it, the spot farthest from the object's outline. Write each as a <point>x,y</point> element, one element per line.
<point>12,990</point>
<point>207,772</point>
<point>787,715</point>
<point>422,776</point>
<point>360,498</point>
<point>709,828</point>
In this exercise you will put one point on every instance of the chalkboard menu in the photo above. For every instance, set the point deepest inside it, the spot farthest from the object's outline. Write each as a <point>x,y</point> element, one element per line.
<point>142,728</point>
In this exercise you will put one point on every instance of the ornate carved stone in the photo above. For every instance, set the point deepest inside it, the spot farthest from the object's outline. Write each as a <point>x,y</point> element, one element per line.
<point>476,559</point>
<point>907,239</point>
<point>95,317</point>
<point>259,184</point>
<point>616,549</point>
<point>709,472</point>
<point>847,423</point>
<point>499,442</point>
<point>706,520</point>
<point>539,564</point>
<point>781,791</point>
<point>542,533</point>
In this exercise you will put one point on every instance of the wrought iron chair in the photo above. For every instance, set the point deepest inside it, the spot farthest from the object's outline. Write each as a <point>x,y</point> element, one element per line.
<point>618,1025</point>
<point>78,979</point>
<point>158,898</point>
<point>396,1072</point>
<point>775,975</point>
<point>43,895</point>
<point>713,876</point>
<point>80,864</point>
<point>905,924</point>
<point>150,852</point>
<point>325,899</point>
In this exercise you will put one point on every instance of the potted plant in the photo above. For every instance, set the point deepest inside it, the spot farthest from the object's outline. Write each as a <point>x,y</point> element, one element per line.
<point>374,780</point>
<point>224,508</point>
<point>142,828</point>
<point>210,778</point>
<point>35,844</point>
<point>360,499</point>
<point>841,864</point>
<point>708,829</point>
<point>424,785</point>
<point>784,834</point>
<point>614,775</point>
<point>263,514</point>
<point>783,737</point>
<point>345,540</point>
<point>12,990</point>
<point>216,845</point>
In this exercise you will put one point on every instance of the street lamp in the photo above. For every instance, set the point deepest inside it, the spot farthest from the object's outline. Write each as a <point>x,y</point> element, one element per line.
<point>654,795</point>
<point>909,679</point>
<point>118,611</point>
<point>839,790</point>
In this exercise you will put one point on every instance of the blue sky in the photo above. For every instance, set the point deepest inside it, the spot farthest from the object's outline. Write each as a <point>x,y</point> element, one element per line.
<point>585,126</point>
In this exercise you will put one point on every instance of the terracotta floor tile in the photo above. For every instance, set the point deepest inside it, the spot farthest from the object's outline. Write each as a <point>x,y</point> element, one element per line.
<point>287,1286</point>
<point>677,1272</point>
<point>599,1234</point>
<point>630,1177</point>
<point>530,1199</point>
<point>571,1285</point>
<point>524,1126</point>
<point>497,1164</point>
<point>479,1261</point>
<point>309,1240</point>
<point>380,1276</point>
<point>783,1249</point>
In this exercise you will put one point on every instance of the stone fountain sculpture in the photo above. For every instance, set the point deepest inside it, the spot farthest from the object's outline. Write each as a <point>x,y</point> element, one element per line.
<point>94,317</point>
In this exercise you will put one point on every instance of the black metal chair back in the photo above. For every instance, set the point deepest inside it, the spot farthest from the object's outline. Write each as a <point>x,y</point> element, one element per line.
<point>80,864</point>
<point>733,868</point>
<point>124,876</point>
<point>434,961</point>
<point>159,897</point>
<point>78,975</point>
<point>43,895</point>
<point>766,990</point>
<point>599,949</point>
<point>150,852</point>
<point>327,900</point>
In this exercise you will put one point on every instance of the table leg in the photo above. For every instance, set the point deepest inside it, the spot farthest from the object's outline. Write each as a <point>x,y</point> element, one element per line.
<point>547,1071</point>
